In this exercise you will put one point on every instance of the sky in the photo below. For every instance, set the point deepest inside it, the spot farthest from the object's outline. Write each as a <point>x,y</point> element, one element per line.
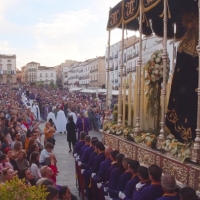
<point>52,31</point>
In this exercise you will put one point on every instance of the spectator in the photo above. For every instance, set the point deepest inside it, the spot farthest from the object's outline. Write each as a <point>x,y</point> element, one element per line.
<point>46,154</point>
<point>28,176</point>
<point>34,165</point>
<point>21,161</point>
<point>71,133</point>
<point>188,193</point>
<point>53,193</point>
<point>65,194</point>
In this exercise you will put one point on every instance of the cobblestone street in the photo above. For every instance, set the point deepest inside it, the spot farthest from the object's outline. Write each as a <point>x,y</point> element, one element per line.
<point>65,160</point>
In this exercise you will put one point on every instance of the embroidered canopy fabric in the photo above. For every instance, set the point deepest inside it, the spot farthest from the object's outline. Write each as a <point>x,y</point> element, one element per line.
<point>127,11</point>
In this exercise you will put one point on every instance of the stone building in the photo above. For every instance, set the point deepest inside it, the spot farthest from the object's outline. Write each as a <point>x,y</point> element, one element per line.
<point>7,69</point>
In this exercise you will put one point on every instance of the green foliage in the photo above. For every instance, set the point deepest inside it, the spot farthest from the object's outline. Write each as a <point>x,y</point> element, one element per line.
<point>52,85</point>
<point>16,189</point>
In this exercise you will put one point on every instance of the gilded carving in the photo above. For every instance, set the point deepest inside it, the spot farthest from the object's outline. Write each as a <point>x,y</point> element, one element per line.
<point>125,148</point>
<point>130,7</point>
<point>158,160</point>
<point>110,141</point>
<point>144,157</point>
<point>114,18</point>
<point>134,156</point>
<point>198,182</point>
<point>172,116</point>
<point>180,172</point>
<point>191,178</point>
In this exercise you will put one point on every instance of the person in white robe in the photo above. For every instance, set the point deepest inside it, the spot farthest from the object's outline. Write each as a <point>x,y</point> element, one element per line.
<point>36,110</point>
<point>51,115</point>
<point>61,121</point>
<point>73,115</point>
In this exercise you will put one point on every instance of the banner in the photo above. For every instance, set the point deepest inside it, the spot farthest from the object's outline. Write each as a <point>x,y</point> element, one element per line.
<point>115,17</point>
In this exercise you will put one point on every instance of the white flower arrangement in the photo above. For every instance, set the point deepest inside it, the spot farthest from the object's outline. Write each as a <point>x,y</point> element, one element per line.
<point>154,68</point>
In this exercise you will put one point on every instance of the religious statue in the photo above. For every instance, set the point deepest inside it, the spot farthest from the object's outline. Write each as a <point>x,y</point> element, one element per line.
<point>181,116</point>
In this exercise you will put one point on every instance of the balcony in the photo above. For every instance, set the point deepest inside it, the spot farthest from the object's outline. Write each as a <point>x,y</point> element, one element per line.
<point>93,81</point>
<point>129,57</point>
<point>135,54</point>
<point>93,70</point>
<point>131,69</point>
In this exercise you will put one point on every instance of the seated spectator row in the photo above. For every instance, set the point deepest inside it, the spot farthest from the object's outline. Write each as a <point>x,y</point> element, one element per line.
<point>104,174</point>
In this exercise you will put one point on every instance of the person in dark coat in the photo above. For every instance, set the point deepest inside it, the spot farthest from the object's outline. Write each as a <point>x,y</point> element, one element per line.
<point>79,144</point>
<point>71,133</point>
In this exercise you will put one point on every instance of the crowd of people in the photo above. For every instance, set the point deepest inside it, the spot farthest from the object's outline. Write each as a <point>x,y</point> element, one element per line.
<point>102,173</point>
<point>106,174</point>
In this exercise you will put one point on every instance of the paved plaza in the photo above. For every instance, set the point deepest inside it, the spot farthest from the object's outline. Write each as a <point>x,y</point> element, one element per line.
<point>65,160</point>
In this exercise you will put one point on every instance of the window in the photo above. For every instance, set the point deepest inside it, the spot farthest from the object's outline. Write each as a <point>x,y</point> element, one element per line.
<point>1,67</point>
<point>0,60</point>
<point>40,74</point>
<point>9,67</point>
<point>51,74</point>
<point>9,60</point>
<point>46,75</point>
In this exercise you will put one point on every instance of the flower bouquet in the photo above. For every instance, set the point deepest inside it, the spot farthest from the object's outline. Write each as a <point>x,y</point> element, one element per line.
<point>149,139</point>
<point>177,149</point>
<point>120,130</point>
<point>154,68</point>
<point>153,79</point>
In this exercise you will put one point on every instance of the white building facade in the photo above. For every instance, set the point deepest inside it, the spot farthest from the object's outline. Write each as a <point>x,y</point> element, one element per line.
<point>131,56</point>
<point>33,73</point>
<point>46,75</point>
<point>7,69</point>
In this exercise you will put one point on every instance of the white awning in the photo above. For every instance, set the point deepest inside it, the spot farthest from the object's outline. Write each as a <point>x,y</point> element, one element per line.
<point>101,90</point>
<point>88,91</point>
<point>75,89</point>
<point>116,92</point>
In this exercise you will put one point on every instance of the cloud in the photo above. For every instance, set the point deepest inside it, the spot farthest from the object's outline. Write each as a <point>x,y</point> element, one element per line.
<point>64,23</point>
<point>54,38</point>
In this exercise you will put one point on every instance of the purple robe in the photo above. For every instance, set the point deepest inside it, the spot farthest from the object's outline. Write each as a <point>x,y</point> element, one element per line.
<point>83,149</point>
<point>114,177</point>
<point>46,112</point>
<point>82,124</point>
<point>86,154</point>
<point>130,186</point>
<point>78,146</point>
<point>104,166</point>
<point>153,192</point>
<point>136,192</point>
<point>88,165</point>
<point>124,178</point>
<point>112,167</point>
<point>168,197</point>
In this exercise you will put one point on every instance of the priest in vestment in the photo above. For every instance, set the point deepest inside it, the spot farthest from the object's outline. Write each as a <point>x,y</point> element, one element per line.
<point>61,121</point>
<point>82,124</point>
<point>51,115</point>
<point>181,116</point>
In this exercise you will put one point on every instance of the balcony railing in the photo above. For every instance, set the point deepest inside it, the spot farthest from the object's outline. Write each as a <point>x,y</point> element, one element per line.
<point>93,81</point>
<point>93,70</point>
<point>131,69</point>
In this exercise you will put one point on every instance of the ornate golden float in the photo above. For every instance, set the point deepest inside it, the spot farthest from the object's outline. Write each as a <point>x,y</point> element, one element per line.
<point>162,18</point>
